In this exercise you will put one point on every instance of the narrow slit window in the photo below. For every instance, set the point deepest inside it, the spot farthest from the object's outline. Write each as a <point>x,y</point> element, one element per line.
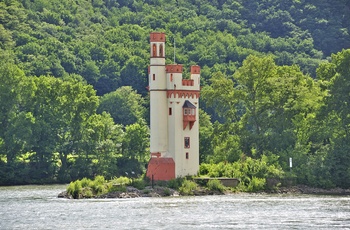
<point>154,50</point>
<point>187,142</point>
<point>187,156</point>
<point>161,50</point>
<point>154,77</point>
<point>170,111</point>
<point>171,77</point>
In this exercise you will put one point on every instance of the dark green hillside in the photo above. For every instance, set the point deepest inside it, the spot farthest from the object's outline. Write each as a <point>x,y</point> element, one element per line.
<point>106,41</point>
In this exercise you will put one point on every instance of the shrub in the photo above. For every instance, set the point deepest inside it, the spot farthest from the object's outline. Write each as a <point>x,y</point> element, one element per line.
<point>175,183</point>
<point>167,192</point>
<point>204,169</point>
<point>187,187</point>
<point>139,183</point>
<point>100,189</point>
<point>85,182</point>
<point>215,185</point>
<point>74,189</point>
<point>121,181</point>
<point>99,180</point>
<point>70,188</point>
<point>161,183</point>
<point>118,184</point>
<point>116,188</point>
<point>256,184</point>
<point>87,193</point>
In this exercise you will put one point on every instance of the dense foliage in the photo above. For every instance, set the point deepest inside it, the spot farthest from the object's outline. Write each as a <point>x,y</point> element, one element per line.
<point>74,74</point>
<point>277,111</point>
<point>106,41</point>
<point>51,132</point>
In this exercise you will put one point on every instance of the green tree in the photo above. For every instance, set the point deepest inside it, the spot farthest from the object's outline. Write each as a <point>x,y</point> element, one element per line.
<point>136,141</point>
<point>12,81</point>
<point>205,136</point>
<point>268,108</point>
<point>100,147</point>
<point>60,109</point>
<point>335,77</point>
<point>124,105</point>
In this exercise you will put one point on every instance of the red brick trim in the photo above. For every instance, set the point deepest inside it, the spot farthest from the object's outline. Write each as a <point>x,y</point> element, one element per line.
<point>183,93</point>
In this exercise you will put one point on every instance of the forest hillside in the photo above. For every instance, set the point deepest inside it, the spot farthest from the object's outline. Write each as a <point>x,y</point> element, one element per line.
<point>106,41</point>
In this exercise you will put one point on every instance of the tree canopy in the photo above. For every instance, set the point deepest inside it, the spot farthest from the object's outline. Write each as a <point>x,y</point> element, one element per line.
<point>106,41</point>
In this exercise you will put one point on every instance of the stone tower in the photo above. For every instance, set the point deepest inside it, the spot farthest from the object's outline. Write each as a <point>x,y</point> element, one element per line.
<point>174,116</point>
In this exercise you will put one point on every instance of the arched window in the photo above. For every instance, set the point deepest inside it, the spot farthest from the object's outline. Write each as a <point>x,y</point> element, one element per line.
<point>154,51</point>
<point>171,77</point>
<point>161,50</point>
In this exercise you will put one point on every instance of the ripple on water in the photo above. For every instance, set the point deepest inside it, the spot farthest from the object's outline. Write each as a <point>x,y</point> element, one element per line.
<point>37,207</point>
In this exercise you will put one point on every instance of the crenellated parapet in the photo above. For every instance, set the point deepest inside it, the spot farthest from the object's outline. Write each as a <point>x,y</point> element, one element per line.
<point>175,80</point>
<point>157,37</point>
<point>173,68</point>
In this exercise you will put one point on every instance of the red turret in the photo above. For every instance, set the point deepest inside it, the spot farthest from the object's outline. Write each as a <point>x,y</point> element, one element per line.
<point>195,69</point>
<point>157,37</point>
<point>173,68</point>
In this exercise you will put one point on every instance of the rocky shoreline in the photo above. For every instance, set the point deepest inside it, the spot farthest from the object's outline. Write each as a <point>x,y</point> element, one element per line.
<point>303,189</point>
<point>159,191</point>
<point>156,191</point>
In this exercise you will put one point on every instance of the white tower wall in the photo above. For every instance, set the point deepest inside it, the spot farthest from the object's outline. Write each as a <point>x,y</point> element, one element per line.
<point>170,94</point>
<point>177,135</point>
<point>158,98</point>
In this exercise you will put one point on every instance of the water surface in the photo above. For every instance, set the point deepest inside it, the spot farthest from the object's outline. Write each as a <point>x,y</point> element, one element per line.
<point>37,207</point>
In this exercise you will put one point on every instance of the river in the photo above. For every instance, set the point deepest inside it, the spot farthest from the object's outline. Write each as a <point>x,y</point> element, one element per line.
<point>37,207</point>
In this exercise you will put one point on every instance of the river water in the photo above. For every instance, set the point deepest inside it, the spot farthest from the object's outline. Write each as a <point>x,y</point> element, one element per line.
<point>37,207</point>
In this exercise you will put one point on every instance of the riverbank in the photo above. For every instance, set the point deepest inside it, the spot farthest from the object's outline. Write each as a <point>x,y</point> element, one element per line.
<point>156,191</point>
<point>159,191</point>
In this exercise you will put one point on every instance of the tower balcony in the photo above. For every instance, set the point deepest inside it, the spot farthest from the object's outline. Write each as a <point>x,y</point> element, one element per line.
<point>189,114</point>
<point>189,118</point>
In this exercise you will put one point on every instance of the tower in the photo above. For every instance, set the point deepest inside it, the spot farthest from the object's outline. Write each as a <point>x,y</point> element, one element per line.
<point>174,142</point>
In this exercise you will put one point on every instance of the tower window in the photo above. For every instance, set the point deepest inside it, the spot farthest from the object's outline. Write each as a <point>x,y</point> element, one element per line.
<point>161,50</point>
<point>154,51</point>
<point>171,77</point>
<point>187,142</point>
<point>154,77</point>
<point>188,112</point>
<point>187,156</point>
<point>170,112</point>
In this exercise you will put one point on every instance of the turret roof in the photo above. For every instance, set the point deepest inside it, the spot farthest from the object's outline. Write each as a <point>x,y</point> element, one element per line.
<point>188,104</point>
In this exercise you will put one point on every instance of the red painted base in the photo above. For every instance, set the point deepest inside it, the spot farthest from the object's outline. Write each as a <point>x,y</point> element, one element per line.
<point>160,168</point>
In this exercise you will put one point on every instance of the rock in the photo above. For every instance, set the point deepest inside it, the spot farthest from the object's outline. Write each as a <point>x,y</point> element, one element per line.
<point>64,194</point>
<point>128,195</point>
<point>303,189</point>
